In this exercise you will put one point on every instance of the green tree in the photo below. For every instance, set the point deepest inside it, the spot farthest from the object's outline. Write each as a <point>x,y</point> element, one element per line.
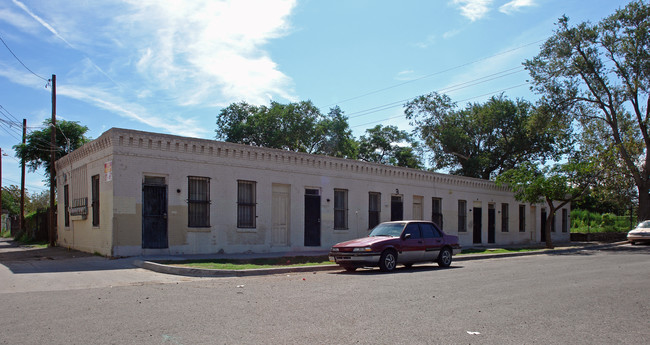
<point>36,152</point>
<point>600,74</point>
<point>483,140</point>
<point>335,136</point>
<point>11,199</point>
<point>296,127</point>
<point>389,145</point>
<point>555,185</point>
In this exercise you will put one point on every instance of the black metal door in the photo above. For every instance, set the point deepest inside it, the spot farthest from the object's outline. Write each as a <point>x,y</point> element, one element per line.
<point>478,224</point>
<point>396,208</point>
<point>312,220</point>
<point>154,216</point>
<point>543,233</point>
<point>491,224</point>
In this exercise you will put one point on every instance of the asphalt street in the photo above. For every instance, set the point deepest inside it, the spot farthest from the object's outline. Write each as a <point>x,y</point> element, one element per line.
<point>584,297</point>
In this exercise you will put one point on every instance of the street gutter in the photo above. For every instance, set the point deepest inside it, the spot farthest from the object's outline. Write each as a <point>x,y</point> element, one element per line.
<point>201,272</point>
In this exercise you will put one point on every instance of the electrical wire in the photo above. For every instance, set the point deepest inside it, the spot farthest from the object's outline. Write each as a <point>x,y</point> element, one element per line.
<point>463,100</point>
<point>451,88</point>
<point>27,68</point>
<point>436,73</point>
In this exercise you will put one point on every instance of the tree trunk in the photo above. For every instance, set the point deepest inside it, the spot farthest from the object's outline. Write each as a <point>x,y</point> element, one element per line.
<point>644,201</point>
<point>547,229</point>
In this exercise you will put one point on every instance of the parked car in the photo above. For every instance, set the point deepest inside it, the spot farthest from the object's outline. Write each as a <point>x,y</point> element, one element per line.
<point>393,243</point>
<point>640,234</point>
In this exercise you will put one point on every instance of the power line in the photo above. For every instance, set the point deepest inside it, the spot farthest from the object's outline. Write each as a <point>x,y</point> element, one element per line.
<point>27,68</point>
<point>436,73</point>
<point>462,100</point>
<point>451,88</point>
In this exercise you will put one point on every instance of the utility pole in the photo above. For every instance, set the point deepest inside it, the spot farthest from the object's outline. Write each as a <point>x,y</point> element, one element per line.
<point>22,182</point>
<point>53,148</point>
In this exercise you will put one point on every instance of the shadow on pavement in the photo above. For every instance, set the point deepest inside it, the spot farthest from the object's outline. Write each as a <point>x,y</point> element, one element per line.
<point>22,259</point>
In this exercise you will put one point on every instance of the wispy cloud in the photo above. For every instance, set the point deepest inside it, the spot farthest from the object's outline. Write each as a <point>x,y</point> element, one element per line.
<point>473,9</point>
<point>41,21</point>
<point>516,5</point>
<point>166,54</point>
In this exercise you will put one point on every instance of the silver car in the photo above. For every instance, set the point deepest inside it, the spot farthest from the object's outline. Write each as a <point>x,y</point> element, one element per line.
<point>640,234</point>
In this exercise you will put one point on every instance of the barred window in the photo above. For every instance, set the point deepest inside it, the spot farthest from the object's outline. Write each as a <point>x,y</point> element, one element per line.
<point>198,201</point>
<point>505,217</point>
<point>522,218</point>
<point>462,216</point>
<point>436,211</point>
<point>340,209</point>
<point>246,204</point>
<point>374,209</point>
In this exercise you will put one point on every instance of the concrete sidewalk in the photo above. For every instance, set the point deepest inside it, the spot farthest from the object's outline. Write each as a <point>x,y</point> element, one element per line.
<point>151,263</point>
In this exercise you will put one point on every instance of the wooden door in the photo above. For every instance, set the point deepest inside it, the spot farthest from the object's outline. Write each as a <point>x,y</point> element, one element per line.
<point>280,215</point>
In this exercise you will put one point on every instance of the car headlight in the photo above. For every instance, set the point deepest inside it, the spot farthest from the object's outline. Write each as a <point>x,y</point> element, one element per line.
<point>335,249</point>
<point>364,249</point>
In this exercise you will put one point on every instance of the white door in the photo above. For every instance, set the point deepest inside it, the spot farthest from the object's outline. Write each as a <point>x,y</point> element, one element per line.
<point>280,218</point>
<point>417,207</point>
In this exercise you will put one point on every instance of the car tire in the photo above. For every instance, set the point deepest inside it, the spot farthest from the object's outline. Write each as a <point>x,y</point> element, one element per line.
<point>349,268</point>
<point>445,257</point>
<point>388,261</point>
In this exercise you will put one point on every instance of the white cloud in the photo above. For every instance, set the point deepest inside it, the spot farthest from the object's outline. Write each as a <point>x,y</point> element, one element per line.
<point>516,5</point>
<point>473,9</point>
<point>406,75</point>
<point>18,20</point>
<point>210,52</point>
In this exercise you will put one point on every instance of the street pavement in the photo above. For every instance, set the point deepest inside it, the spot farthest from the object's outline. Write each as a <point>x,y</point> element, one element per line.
<point>587,296</point>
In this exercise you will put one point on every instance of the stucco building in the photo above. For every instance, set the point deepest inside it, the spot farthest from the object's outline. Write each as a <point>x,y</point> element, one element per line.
<point>131,193</point>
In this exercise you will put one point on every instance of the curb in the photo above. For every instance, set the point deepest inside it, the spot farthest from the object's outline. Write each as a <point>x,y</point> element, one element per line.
<point>201,272</point>
<point>212,273</point>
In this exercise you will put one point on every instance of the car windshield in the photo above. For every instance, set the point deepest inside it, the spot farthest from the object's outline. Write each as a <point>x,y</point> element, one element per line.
<point>644,224</point>
<point>387,229</point>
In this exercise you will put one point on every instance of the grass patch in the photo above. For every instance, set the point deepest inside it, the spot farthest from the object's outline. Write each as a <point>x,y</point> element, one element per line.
<point>247,264</point>
<point>5,234</point>
<point>498,250</point>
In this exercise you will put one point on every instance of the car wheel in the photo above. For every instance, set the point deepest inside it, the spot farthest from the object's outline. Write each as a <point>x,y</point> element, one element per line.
<point>444,258</point>
<point>350,268</point>
<point>387,261</point>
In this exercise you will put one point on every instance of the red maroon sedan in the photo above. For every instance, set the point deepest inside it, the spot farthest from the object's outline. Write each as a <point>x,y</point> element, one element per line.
<point>393,243</point>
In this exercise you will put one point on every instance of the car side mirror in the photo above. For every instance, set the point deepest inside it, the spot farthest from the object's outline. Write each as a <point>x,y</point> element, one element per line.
<point>406,236</point>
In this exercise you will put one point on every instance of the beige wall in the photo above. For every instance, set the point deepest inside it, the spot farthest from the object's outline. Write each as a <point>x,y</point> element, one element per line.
<point>137,154</point>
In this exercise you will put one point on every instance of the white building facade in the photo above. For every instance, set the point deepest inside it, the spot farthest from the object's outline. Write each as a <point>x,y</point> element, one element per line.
<point>132,193</point>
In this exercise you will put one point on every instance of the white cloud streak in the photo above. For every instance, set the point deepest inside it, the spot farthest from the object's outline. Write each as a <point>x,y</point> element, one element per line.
<point>516,5</point>
<point>473,9</point>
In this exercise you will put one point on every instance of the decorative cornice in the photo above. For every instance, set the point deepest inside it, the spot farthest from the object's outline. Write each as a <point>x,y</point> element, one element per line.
<point>118,137</point>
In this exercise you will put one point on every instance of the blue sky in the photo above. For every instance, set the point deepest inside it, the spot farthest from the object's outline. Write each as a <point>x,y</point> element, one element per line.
<point>170,66</point>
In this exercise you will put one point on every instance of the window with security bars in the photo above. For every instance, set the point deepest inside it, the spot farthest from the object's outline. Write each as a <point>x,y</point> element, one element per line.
<point>505,218</point>
<point>340,209</point>
<point>462,216</point>
<point>246,204</point>
<point>95,199</point>
<point>522,218</point>
<point>198,201</point>
<point>436,211</point>
<point>374,209</point>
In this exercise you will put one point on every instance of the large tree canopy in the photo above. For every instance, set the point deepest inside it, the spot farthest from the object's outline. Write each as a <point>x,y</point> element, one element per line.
<point>600,74</point>
<point>36,152</point>
<point>483,140</point>
<point>389,145</point>
<point>295,127</point>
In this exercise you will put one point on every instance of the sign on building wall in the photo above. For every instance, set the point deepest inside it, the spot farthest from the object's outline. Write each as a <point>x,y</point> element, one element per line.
<point>108,171</point>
